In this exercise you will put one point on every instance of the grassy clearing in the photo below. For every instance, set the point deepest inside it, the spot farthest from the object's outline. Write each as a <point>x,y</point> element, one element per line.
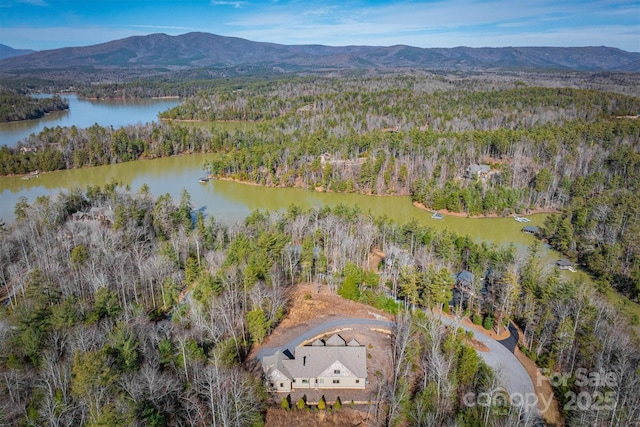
<point>625,305</point>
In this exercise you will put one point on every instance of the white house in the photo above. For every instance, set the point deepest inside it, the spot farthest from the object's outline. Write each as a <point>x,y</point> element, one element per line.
<point>333,364</point>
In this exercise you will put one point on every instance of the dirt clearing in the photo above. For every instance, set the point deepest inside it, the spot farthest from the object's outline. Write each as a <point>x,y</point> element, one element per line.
<point>312,305</point>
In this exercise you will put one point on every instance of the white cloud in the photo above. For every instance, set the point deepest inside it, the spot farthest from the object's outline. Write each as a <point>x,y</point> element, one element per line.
<point>443,24</point>
<point>235,4</point>
<point>618,36</point>
<point>417,23</point>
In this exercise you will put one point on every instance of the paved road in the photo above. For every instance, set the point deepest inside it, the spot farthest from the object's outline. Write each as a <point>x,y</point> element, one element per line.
<point>324,327</point>
<point>512,341</point>
<point>504,363</point>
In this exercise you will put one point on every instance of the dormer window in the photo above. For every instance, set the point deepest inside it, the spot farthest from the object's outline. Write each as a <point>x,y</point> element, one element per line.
<point>336,371</point>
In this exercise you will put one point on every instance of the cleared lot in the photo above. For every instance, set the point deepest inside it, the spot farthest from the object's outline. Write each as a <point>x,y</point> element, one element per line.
<point>321,315</point>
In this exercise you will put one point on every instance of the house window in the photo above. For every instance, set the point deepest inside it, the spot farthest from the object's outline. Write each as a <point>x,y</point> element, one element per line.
<point>281,385</point>
<point>321,381</point>
<point>270,384</point>
<point>305,381</point>
<point>357,381</point>
<point>336,371</point>
<point>294,380</point>
<point>336,381</point>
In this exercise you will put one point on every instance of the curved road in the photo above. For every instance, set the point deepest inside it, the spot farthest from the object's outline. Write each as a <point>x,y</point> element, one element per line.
<point>504,363</point>
<point>315,331</point>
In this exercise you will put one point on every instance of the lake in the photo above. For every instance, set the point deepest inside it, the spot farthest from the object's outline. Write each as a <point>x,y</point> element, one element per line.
<point>84,113</point>
<point>228,201</point>
<point>231,201</point>
<point>225,200</point>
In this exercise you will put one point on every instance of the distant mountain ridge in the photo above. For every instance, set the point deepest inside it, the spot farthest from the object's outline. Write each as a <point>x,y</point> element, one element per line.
<point>9,52</point>
<point>197,50</point>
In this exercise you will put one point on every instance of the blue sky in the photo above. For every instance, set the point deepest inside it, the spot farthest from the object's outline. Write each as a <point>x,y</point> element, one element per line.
<point>50,24</point>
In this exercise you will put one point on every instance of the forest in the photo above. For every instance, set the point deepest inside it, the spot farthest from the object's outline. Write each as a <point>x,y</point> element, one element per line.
<point>124,309</point>
<point>545,147</point>
<point>96,328</point>
<point>15,106</point>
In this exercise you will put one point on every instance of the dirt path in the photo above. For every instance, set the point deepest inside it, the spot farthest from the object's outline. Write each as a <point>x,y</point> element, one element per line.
<point>547,403</point>
<point>506,366</point>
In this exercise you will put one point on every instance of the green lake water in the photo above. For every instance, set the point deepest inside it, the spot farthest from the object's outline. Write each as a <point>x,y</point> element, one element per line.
<point>232,201</point>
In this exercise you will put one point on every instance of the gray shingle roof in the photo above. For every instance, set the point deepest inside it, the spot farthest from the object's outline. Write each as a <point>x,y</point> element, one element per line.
<point>335,341</point>
<point>272,364</point>
<point>311,361</point>
<point>314,360</point>
<point>465,276</point>
<point>476,169</point>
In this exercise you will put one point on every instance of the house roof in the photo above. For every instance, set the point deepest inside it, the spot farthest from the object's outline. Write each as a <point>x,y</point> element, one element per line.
<point>335,341</point>
<point>564,263</point>
<point>479,169</point>
<point>320,359</point>
<point>465,276</point>
<point>531,228</point>
<point>312,361</point>
<point>274,367</point>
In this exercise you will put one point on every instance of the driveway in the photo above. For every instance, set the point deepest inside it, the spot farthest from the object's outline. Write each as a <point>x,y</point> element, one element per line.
<point>322,328</point>
<point>505,365</point>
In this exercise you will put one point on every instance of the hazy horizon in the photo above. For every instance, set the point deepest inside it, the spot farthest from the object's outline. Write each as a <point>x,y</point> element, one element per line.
<point>51,24</point>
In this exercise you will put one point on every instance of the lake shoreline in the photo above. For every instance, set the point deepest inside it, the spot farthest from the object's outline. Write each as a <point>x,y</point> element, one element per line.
<point>302,187</point>
<point>418,205</point>
<point>84,113</point>
<point>492,215</point>
<point>318,189</point>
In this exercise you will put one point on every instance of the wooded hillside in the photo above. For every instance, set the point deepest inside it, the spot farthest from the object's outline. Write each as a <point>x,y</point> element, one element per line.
<point>97,331</point>
<point>14,106</point>
<point>543,148</point>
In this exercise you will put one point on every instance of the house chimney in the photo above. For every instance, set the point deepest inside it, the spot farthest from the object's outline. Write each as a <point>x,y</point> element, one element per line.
<point>304,361</point>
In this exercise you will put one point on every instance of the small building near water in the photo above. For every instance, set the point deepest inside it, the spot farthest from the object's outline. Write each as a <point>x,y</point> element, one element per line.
<point>565,264</point>
<point>531,229</point>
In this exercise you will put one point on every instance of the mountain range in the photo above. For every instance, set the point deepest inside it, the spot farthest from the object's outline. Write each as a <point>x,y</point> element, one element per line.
<point>9,52</point>
<point>204,50</point>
